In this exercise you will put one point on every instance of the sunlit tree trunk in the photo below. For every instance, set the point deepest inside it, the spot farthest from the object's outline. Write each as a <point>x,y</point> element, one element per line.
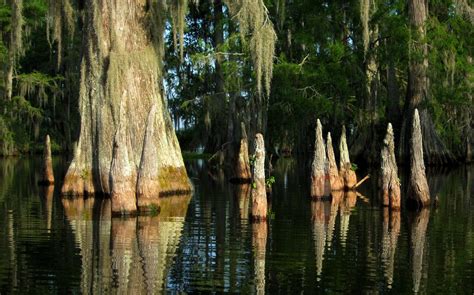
<point>120,85</point>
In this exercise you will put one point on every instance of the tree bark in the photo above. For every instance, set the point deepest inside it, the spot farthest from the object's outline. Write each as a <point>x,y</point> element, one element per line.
<point>259,193</point>
<point>389,172</point>
<point>119,86</point>
<point>320,186</point>
<point>242,164</point>
<point>418,190</point>
<point>434,149</point>
<point>47,176</point>
<point>335,180</point>
<point>345,166</point>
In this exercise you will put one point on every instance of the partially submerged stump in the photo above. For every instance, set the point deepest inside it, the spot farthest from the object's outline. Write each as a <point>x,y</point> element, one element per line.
<point>335,180</point>
<point>389,174</point>
<point>122,178</point>
<point>418,190</point>
<point>345,166</point>
<point>148,183</point>
<point>319,180</point>
<point>47,176</point>
<point>259,194</point>
<point>242,172</point>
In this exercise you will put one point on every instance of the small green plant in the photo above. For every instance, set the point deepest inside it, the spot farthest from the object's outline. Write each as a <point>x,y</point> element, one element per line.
<point>84,174</point>
<point>270,181</point>
<point>254,185</point>
<point>153,209</point>
<point>252,160</point>
<point>354,167</point>
<point>270,214</point>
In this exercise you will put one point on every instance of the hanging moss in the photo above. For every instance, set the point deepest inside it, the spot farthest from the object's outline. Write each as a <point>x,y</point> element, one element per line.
<point>254,20</point>
<point>60,20</point>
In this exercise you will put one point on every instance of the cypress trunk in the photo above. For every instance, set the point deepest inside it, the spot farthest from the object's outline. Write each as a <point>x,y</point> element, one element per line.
<point>47,176</point>
<point>120,84</point>
<point>389,172</point>
<point>335,180</point>
<point>242,163</point>
<point>435,151</point>
<point>345,166</point>
<point>259,193</point>
<point>320,186</point>
<point>418,190</point>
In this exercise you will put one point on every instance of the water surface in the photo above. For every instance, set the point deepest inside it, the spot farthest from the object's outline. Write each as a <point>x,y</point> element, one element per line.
<point>205,242</point>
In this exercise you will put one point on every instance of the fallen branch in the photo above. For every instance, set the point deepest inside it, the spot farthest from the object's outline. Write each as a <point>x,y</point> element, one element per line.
<point>361,181</point>
<point>364,198</point>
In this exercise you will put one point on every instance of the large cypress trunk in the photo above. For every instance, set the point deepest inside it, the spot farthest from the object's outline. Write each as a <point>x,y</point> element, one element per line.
<point>120,85</point>
<point>434,149</point>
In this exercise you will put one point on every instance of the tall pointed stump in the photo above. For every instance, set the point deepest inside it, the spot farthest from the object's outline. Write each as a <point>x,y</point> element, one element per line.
<point>148,182</point>
<point>319,181</point>
<point>47,176</point>
<point>259,194</point>
<point>242,165</point>
<point>418,190</point>
<point>345,166</point>
<point>389,172</point>
<point>335,180</point>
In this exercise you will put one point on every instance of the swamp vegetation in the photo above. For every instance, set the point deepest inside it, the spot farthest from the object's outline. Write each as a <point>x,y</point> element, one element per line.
<point>124,89</point>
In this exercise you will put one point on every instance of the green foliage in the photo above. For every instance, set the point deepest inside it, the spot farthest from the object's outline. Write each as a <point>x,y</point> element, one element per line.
<point>153,209</point>
<point>270,214</point>
<point>270,181</point>
<point>354,167</point>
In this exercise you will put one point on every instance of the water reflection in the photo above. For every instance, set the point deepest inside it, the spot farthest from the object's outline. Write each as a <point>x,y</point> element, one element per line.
<point>52,245</point>
<point>324,215</point>
<point>259,244</point>
<point>242,199</point>
<point>46,197</point>
<point>418,226</point>
<point>347,204</point>
<point>390,233</point>
<point>125,254</point>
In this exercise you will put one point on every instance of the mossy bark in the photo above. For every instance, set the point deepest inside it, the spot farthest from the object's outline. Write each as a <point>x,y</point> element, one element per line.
<point>120,84</point>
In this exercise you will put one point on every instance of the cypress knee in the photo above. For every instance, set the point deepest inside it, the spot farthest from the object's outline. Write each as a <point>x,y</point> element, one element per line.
<point>148,184</point>
<point>47,176</point>
<point>335,180</point>
<point>418,190</point>
<point>259,194</point>
<point>122,178</point>
<point>319,178</point>
<point>345,166</point>
<point>389,173</point>
<point>242,165</point>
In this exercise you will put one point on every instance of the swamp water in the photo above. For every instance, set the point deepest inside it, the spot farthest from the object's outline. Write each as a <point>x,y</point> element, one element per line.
<point>206,242</point>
